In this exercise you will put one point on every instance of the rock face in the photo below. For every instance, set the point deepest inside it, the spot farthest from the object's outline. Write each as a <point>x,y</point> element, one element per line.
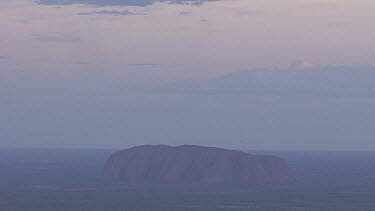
<point>193,165</point>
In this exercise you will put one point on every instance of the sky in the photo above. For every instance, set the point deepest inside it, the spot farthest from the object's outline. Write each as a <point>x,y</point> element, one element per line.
<point>261,74</point>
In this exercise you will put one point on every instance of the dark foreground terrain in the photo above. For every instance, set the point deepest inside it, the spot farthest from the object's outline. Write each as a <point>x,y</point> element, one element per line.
<point>69,180</point>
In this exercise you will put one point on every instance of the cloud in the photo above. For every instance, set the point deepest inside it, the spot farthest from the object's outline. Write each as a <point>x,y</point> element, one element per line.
<point>185,13</point>
<point>120,2</point>
<point>145,65</point>
<point>301,64</point>
<point>57,37</point>
<point>111,12</point>
<point>319,6</point>
<point>5,58</point>
<point>151,65</point>
<point>302,80</point>
<point>244,12</point>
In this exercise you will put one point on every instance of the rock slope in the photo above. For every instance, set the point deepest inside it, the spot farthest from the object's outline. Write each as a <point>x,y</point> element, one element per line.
<point>190,164</point>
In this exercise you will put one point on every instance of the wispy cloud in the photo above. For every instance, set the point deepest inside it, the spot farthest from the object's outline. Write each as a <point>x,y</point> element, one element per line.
<point>56,37</point>
<point>302,79</point>
<point>111,12</point>
<point>120,2</point>
<point>144,64</point>
<point>5,58</point>
<point>151,65</point>
<point>185,13</point>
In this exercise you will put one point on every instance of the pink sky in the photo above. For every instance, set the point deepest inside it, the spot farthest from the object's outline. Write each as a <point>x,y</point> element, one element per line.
<point>68,74</point>
<point>186,41</point>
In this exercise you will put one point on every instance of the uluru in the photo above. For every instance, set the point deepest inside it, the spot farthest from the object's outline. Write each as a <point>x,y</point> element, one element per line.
<point>190,164</point>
